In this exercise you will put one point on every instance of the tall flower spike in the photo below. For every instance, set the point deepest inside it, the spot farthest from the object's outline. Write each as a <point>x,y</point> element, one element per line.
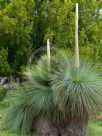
<point>48,53</point>
<point>76,39</point>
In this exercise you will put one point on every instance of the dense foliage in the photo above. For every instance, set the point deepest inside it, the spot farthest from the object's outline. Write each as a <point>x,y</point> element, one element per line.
<point>26,24</point>
<point>4,65</point>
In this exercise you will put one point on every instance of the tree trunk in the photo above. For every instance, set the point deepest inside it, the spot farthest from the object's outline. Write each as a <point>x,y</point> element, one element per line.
<point>67,127</point>
<point>75,127</point>
<point>44,127</point>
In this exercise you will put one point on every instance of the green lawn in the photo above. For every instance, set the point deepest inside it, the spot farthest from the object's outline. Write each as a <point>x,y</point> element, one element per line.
<point>95,128</point>
<point>6,133</point>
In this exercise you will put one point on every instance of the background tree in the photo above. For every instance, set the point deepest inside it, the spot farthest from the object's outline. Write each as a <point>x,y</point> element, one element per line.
<point>26,25</point>
<point>4,66</point>
<point>16,26</point>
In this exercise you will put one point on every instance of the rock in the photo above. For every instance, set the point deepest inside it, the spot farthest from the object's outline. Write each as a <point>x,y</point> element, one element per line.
<point>7,86</point>
<point>4,80</point>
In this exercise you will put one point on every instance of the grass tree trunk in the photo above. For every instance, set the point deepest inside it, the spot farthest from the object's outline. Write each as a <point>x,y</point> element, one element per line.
<point>75,127</point>
<point>44,127</point>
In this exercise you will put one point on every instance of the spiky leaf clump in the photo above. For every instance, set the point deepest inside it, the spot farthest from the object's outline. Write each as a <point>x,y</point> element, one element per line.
<point>77,90</point>
<point>30,99</point>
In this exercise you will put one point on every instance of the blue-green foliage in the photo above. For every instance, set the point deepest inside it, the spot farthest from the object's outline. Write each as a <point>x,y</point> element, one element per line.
<point>58,92</point>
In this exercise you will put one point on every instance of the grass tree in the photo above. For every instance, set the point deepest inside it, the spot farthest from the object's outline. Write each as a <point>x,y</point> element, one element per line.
<point>32,103</point>
<point>78,94</point>
<point>56,101</point>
